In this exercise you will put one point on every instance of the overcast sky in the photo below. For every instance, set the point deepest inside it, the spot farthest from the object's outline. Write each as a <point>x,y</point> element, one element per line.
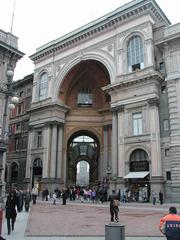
<point>37,22</point>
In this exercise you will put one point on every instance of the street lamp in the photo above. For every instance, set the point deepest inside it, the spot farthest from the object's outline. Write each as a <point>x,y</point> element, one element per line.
<point>3,131</point>
<point>108,173</point>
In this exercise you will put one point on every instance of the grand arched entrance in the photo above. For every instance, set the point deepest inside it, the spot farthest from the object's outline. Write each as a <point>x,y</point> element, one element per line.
<point>82,157</point>
<point>87,119</point>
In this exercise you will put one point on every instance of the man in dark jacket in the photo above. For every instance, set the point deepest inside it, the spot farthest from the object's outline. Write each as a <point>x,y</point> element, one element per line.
<point>11,204</point>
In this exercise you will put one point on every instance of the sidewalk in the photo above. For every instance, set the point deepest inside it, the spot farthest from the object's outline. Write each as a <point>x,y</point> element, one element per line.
<point>22,220</point>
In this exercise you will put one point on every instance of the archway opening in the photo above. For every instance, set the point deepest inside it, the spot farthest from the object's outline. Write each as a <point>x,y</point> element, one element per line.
<point>82,173</point>
<point>83,154</point>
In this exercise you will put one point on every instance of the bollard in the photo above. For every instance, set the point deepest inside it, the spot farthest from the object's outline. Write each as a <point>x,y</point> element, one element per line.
<point>114,231</point>
<point>1,219</point>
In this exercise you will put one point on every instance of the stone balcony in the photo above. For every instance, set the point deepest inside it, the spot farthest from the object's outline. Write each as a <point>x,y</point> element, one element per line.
<point>9,39</point>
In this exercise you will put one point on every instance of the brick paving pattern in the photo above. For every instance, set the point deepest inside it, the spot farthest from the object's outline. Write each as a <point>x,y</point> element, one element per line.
<point>83,219</point>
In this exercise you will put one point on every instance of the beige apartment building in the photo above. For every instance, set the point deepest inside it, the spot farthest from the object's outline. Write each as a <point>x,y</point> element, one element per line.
<point>108,93</point>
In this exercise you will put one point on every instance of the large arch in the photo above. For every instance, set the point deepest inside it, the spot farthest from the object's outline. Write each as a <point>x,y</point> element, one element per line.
<point>101,58</point>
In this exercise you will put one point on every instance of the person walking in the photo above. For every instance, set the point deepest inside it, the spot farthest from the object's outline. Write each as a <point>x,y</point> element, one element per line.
<point>154,197</point>
<point>161,197</point>
<point>11,213</point>
<point>34,193</point>
<point>64,196</point>
<point>170,225</point>
<point>27,200</point>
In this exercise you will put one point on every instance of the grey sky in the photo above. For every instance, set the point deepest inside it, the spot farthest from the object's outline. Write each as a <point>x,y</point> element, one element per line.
<point>36,22</point>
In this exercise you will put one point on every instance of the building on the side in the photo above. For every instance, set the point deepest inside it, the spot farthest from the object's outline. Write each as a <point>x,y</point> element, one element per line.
<point>109,93</point>
<point>9,55</point>
<point>18,134</point>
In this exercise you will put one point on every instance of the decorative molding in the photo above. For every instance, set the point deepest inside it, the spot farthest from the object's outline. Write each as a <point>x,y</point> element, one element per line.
<point>121,15</point>
<point>153,102</point>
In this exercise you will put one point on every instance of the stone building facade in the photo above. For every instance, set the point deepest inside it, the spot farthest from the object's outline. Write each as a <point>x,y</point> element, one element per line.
<point>114,81</point>
<point>9,55</point>
<point>18,134</point>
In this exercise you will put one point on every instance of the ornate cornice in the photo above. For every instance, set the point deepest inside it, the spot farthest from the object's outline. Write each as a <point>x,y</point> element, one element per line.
<point>122,14</point>
<point>119,108</point>
<point>134,78</point>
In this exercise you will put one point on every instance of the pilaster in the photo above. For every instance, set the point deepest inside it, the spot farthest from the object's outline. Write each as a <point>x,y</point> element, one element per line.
<point>114,142</point>
<point>155,137</point>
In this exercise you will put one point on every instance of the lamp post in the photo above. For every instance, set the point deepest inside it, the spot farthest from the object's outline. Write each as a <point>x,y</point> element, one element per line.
<point>4,131</point>
<point>108,173</point>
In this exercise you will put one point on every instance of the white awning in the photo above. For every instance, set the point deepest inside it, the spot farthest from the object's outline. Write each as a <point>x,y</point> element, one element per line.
<point>136,175</point>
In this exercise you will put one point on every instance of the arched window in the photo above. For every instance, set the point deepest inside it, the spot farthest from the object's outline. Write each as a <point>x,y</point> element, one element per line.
<point>135,54</point>
<point>43,86</point>
<point>37,162</point>
<point>139,161</point>
<point>14,171</point>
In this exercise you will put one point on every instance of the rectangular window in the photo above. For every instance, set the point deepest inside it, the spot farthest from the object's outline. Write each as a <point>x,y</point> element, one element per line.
<point>18,127</point>
<point>137,123</point>
<point>21,94</point>
<point>84,99</point>
<point>166,152</point>
<point>166,124</point>
<point>17,144</point>
<point>39,139</point>
<point>168,175</point>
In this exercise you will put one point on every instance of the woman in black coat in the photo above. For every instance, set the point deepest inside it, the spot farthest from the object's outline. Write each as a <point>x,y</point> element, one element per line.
<point>11,204</point>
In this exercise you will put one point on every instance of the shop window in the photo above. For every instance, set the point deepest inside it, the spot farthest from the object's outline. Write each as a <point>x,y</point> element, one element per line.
<point>137,123</point>
<point>135,54</point>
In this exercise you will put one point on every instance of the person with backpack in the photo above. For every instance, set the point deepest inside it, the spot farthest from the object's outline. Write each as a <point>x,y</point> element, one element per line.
<point>114,206</point>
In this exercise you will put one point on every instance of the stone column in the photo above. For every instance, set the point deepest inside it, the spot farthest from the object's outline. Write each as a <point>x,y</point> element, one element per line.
<point>114,142</point>
<point>47,151</point>
<point>60,152</point>
<point>105,163</point>
<point>121,157</point>
<point>155,138</point>
<point>53,151</point>
<point>64,166</point>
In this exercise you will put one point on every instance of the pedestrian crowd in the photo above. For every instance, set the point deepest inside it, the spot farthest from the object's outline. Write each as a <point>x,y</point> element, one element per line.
<point>17,200</point>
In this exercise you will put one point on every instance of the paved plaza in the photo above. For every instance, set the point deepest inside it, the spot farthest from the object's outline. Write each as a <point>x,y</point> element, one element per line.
<point>86,221</point>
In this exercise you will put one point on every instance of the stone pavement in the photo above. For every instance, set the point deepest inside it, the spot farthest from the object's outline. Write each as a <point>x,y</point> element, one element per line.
<point>86,221</point>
